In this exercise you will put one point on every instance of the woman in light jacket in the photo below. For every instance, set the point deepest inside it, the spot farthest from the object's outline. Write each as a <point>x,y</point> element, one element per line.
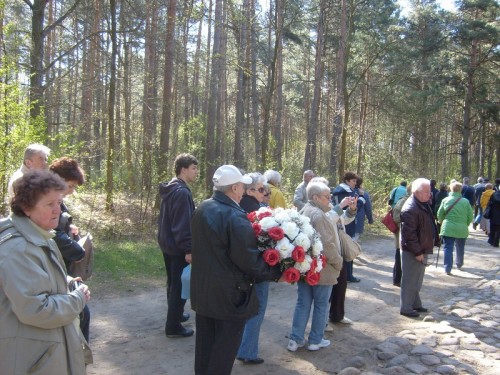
<point>455,215</point>
<point>39,332</point>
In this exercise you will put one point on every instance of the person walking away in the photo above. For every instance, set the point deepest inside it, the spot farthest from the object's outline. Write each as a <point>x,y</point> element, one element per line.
<point>494,207</point>
<point>225,265</point>
<point>300,195</point>
<point>468,191</point>
<point>418,238</point>
<point>455,215</point>
<point>174,238</point>
<point>484,224</point>
<point>478,192</point>
<point>364,211</point>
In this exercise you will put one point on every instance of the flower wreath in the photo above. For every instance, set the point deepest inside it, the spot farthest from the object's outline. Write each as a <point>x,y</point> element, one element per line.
<point>286,237</point>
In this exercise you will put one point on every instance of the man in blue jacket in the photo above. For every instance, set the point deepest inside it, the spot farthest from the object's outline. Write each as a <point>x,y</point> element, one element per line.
<point>174,238</point>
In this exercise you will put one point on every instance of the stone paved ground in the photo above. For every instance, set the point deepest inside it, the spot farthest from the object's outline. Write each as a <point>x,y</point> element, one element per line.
<point>459,335</point>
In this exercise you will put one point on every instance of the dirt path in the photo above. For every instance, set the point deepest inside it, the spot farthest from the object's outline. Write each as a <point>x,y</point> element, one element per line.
<point>127,334</point>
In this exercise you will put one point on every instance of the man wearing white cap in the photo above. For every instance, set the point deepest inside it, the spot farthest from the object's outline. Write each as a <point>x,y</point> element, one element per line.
<point>225,265</point>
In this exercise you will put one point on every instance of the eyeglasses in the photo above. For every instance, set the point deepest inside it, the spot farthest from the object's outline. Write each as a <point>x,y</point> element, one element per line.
<point>260,190</point>
<point>267,194</point>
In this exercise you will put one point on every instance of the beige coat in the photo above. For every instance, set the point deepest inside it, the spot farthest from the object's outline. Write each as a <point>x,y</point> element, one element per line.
<point>327,230</point>
<point>39,333</point>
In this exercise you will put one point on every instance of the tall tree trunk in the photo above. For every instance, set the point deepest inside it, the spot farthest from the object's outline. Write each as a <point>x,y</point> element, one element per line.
<point>339,117</point>
<point>111,109</point>
<point>254,93</point>
<point>277,128</point>
<point>167,90</point>
<point>214,95</point>
<point>36,57</point>
<point>363,109</point>
<point>310,152</point>
<point>196,69</point>
<point>464,149</point>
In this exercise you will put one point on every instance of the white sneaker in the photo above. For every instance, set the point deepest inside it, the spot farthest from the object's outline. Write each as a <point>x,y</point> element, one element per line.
<point>328,328</point>
<point>346,321</point>
<point>293,345</point>
<point>323,344</point>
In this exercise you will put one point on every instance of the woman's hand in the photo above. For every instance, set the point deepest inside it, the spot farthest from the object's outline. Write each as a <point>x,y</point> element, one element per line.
<point>74,230</point>
<point>85,290</point>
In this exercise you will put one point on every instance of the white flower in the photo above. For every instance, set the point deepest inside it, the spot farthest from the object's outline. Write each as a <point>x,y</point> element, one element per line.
<point>291,229</point>
<point>319,264</point>
<point>281,216</point>
<point>294,214</point>
<point>268,223</point>
<point>304,266</point>
<point>285,248</point>
<point>317,248</point>
<point>308,229</point>
<point>302,240</point>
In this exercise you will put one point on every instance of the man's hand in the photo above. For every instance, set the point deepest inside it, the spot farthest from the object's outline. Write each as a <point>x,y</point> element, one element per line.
<point>188,258</point>
<point>420,258</point>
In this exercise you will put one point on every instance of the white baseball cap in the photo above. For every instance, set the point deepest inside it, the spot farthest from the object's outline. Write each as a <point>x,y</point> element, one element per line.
<point>227,175</point>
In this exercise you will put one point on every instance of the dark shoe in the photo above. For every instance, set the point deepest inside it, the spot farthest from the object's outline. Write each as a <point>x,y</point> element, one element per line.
<point>354,280</point>
<point>255,361</point>
<point>397,284</point>
<point>185,317</point>
<point>421,310</point>
<point>412,314</point>
<point>474,225</point>
<point>184,332</point>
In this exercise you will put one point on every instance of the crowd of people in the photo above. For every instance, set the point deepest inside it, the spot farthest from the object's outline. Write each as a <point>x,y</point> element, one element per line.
<point>45,305</point>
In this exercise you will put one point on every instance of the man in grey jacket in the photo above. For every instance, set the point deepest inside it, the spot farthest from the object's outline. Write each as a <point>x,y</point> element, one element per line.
<point>300,196</point>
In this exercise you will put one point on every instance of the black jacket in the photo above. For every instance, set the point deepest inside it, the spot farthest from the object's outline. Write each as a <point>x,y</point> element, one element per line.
<point>70,250</point>
<point>249,203</point>
<point>340,192</point>
<point>494,205</point>
<point>226,261</point>
<point>174,221</point>
<point>419,232</point>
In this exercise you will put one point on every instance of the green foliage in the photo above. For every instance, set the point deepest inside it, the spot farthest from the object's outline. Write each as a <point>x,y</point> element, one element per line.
<point>126,264</point>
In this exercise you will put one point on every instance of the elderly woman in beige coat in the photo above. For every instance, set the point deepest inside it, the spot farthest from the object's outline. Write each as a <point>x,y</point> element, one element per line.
<point>317,210</point>
<point>39,331</point>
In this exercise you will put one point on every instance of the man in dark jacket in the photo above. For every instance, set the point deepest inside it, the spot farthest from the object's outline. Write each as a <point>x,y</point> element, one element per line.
<point>468,191</point>
<point>174,238</point>
<point>418,237</point>
<point>226,263</point>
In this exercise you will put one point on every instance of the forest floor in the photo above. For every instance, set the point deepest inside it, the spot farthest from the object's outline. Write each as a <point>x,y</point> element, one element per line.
<point>127,329</point>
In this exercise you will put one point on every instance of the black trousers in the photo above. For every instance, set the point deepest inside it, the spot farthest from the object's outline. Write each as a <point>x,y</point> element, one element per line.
<point>396,270</point>
<point>337,298</point>
<point>494,235</point>
<point>174,265</point>
<point>217,342</point>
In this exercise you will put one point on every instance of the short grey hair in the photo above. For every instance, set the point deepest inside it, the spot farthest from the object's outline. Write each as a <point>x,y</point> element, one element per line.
<point>316,188</point>
<point>319,179</point>
<point>418,183</point>
<point>257,178</point>
<point>466,180</point>
<point>456,187</point>
<point>35,149</point>
<point>224,189</point>
<point>273,177</point>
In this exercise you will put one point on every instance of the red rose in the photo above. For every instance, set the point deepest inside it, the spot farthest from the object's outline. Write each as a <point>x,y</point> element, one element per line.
<point>314,264</point>
<point>298,254</point>
<point>256,228</point>
<point>252,216</point>
<point>323,260</point>
<point>264,214</point>
<point>276,233</point>
<point>271,256</point>
<point>291,275</point>
<point>312,278</point>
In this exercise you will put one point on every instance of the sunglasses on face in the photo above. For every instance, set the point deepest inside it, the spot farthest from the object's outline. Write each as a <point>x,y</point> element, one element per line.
<point>260,190</point>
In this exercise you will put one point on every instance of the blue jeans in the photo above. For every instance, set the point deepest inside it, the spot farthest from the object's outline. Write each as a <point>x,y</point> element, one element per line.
<point>307,296</point>
<point>249,348</point>
<point>448,252</point>
<point>479,216</point>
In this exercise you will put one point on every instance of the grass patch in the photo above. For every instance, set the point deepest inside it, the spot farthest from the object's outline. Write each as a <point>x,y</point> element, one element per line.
<point>126,266</point>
